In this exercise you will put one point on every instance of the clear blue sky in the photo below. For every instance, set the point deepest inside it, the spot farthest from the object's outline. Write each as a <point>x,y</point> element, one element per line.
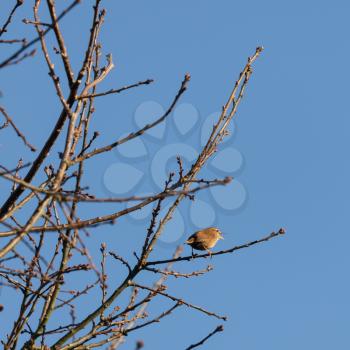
<point>292,133</point>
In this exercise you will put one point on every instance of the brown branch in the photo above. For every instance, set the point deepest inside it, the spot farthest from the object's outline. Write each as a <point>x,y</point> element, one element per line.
<point>7,171</point>
<point>28,21</point>
<point>157,319</point>
<point>9,18</point>
<point>219,328</point>
<point>18,132</point>
<point>116,91</point>
<point>178,274</point>
<point>50,65</point>
<point>166,193</point>
<point>23,57</point>
<point>76,295</point>
<point>63,51</point>
<point>21,203</point>
<point>13,41</point>
<point>121,259</point>
<point>181,301</point>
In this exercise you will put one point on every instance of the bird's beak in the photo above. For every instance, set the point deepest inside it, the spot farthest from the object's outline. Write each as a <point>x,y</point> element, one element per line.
<point>221,237</point>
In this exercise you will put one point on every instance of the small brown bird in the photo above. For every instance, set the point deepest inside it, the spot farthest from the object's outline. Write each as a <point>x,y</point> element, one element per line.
<point>205,239</point>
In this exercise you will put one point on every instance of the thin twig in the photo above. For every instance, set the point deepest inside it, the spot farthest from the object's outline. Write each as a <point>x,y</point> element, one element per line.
<point>9,18</point>
<point>218,329</point>
<point>117,91</point>
<point>181,301</point>
<point>18,132</point>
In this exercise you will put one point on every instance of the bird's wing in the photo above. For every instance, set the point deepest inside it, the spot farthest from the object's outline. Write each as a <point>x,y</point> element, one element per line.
<point>199,237</point>
<point>191,239</point>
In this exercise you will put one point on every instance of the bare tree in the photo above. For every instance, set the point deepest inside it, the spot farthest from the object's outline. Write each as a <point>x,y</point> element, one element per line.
<point>39,278</point>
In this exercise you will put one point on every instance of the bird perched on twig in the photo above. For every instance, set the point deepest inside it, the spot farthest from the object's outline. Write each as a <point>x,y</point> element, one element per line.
<point>205,239</point>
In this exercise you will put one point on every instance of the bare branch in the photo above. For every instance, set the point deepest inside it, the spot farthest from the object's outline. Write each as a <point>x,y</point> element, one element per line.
<point>181,301</point>
<point>218,329</point>
<point>19,134</point>
<point>9,18</point>
<point>63,51</point>
<point>117,91</point>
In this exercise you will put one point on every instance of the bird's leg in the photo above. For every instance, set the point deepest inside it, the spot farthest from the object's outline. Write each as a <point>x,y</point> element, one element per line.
<point>209,252</point>
<point>192,253</point>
